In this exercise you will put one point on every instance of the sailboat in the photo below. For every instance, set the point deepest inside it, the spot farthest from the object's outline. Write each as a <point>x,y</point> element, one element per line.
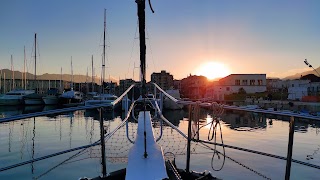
<point>146,157</point>
<point>71,98</point>
<point>14,96</point>
<point>34,98</point>
<point>103,98</point>
<point>52,97</point>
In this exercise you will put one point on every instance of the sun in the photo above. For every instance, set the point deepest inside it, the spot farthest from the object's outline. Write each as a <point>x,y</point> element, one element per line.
<point>213,70</point>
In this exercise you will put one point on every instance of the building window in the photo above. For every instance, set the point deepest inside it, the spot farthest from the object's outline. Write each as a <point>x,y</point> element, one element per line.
<point>259,82</point>
<point>244,82</point>
<point>228,88</point>
<point>252,82</point>
<point>237,82</point>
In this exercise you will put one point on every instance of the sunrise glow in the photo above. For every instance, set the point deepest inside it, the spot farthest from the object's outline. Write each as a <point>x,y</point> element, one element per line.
<point>213,70</point>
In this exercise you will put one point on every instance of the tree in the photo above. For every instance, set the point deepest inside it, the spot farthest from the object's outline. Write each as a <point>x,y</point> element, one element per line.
<point>242,91</point>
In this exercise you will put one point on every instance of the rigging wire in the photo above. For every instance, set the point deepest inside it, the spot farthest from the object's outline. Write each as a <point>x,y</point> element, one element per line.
<point>133,44</point>
<point>148,40</point>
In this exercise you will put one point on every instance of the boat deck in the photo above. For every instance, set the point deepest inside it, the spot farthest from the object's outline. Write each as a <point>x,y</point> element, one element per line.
<point>152,167</point>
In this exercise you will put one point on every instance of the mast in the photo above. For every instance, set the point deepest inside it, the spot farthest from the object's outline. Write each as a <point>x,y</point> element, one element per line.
<point>35,60</point>
<point>87,87</point>
<point>104,52</point>
<point>4,82</point>
<point>12,69</point>
<point>61,79</point>
<point>71,75</point>
<point>92,81</point>
<point>142,37</point>
<point>141,16</point>
<point>24,81</point>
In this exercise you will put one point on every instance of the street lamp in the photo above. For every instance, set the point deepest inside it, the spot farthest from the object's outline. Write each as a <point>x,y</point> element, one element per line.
<point>310,66</point>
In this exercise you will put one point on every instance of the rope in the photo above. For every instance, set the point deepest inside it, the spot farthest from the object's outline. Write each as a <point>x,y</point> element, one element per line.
<point>237,162</point>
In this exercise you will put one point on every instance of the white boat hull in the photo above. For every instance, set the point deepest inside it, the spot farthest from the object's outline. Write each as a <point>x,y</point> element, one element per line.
<point>33,101</point>
<point>50,100</point>
<point>93,102</point>
<point>11,102</point>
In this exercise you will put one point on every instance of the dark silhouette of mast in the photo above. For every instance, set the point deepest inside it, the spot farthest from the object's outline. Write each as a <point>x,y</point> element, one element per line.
<point>35,61</point>
<point>142,37</point>
<point>104,52</point>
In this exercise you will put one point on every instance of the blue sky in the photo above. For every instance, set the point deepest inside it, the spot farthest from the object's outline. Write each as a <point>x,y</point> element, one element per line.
<point>248,36</point>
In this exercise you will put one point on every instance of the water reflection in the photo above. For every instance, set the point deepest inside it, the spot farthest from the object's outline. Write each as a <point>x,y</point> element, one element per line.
<point>245,121</point>
<point>6,111</point>
<point>175,116</point>
<point>35,137</point>
<point>107,115</point>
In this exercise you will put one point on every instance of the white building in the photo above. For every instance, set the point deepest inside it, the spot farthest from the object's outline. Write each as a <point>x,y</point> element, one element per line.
<point>250,83</point>
<point>299,88</point>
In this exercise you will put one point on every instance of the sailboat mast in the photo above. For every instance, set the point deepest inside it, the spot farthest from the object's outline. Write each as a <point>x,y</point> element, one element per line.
<point>12,69</point>
<point>104,52</point>
<point>87,84</point>
<point>4,82</point>
<point>24,82</point>
<point>35,60</point>
<point>142,37</point>
<point>71,75</point>
<point>61,79</point>
<point>92,71</point>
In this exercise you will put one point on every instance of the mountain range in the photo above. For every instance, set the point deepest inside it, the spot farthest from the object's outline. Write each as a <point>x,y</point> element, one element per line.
<point>84,78</point>
<point>298,75</point>
<point>65,77</point>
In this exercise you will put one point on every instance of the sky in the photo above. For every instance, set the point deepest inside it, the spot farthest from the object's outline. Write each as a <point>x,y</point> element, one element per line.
<point>249,36</point>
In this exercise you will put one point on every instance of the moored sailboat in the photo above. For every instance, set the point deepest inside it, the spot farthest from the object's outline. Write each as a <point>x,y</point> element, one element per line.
<point>146,158</point>
<point>15,97</point>
<point>52,97</point>
<point>34,98</point>
<point>103,98</point>
<point>72,97</point>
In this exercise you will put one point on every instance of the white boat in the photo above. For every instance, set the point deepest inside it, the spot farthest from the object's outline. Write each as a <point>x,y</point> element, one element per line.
<point>168,103</point>
<point>71,98</point>
<point>101,99</point>
<point>52,97</point>
<point>14,97</point>
<point>33,99</point>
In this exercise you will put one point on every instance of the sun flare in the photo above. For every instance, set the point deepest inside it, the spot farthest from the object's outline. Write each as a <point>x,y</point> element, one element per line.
<point>213,70</point>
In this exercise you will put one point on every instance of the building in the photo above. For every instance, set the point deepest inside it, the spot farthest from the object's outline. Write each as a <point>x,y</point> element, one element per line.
<point>163,79</point>
<point>193,87</point>
<point>124,85</point>
<point>274,85</point>
<point>249,83</point>
<point>177,84</point>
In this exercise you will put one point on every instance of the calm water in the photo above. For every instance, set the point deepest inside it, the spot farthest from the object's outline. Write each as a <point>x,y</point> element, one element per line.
<point>35,137</point>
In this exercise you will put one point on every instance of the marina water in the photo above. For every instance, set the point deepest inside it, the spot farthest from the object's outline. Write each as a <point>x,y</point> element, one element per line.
<point>32,138</point>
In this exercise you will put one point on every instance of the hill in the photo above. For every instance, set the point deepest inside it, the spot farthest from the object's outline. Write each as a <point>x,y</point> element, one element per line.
<point>298,75</point>
<point>46,76</point>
